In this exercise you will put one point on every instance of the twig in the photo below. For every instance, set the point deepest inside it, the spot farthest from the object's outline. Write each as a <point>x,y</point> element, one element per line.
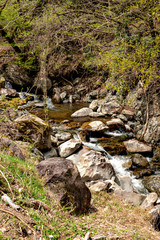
<point>7,182</point>
<point>19,218</point>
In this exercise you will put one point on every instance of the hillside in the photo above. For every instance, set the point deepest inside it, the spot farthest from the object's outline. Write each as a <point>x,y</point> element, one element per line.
<point>41,217</point>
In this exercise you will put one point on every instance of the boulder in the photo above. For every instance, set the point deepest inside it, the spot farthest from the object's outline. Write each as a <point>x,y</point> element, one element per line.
<point>63,178</point>
<point>155,213</point>
<point>150,200</point>
<point>35,130</point>
<point>69,147</point>
<point>7,92</point>
<point>94,166</point>
<point>94,105</point>
<point>115,123</point>
<point>125,183</point>
<point>139,161</point>
<point>134,146</point>
<point>152,183</point>
<point>109,108</point>
<point>11,148</point>
<point>95,126</point>
<point>133,198</point>
<point>83,112</point>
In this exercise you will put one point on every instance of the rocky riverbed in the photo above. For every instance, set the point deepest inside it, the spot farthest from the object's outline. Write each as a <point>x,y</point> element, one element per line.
<point>95,145</point>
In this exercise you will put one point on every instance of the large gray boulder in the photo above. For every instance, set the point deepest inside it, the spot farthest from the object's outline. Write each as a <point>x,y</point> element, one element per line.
<point>69,147</point>
<point>93,165</point>
<point>150,200</point>
<point>134,146</point>
<point>63,178</point>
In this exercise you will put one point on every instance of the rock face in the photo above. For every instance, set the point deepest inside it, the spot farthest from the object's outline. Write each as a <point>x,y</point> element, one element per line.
<point>35,130</point>
<point>10,148</point>
<point>135,146</point>
<point>63,178</point>
<point>69,147</point>
<point>83,112</point>
<point>93,166</point>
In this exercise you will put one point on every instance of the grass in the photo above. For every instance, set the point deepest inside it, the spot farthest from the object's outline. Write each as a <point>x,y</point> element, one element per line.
<point>107,215</point>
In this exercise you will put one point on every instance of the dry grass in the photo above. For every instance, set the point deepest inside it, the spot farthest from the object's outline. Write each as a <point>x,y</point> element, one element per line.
<point>108,215</point>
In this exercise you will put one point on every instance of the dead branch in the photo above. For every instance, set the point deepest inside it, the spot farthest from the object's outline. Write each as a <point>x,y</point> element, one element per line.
<point>7,199</point>
<point>19,218</point>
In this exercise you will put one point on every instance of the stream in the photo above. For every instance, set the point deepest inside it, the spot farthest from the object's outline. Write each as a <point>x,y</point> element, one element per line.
<point>60,115</point>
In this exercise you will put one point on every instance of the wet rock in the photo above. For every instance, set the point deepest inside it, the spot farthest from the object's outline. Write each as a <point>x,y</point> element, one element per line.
<point>115,124</point>
<point>139,161</point>
<point>155,213</point>
<point>63,178</point>
<point>7,92</point>
<point>152,183</point>
<point>63,95</point>
<point>150,200</point>
<point>64,136</point>
<point>95,126</point>
<point>9,147</point>
<point>109,108</point>
<point>83,112</point>
<point>93,166</point>
<point>139,172</point>
<point>133,198</point>
<point>113,147</point>
<point>128,164</point>
<point>69,147</point>
<point>35,130</point>
<point>134,146</point>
